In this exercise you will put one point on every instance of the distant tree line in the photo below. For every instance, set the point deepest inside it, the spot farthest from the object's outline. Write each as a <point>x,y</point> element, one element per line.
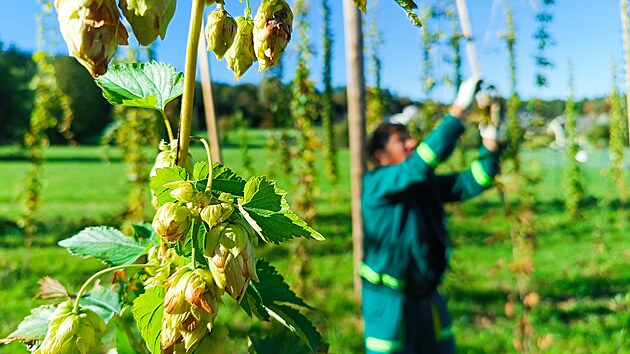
<point>92,113</point>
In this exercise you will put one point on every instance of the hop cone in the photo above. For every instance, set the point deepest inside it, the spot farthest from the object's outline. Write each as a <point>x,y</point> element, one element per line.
<point>92,31</point>
<point>220,32</point>
<point>166,158</point>
<point>148,18</point>
<point>272,32</point>
<point>241,55</point>
<point>69,332</point>
<point>216,213</point>
<point>172,221</point>
<point>167,260</point>
<point>232,257</point>
<point>191,304</point>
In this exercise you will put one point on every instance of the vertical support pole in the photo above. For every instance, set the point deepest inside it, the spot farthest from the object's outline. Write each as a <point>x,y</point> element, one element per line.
<point>208,103</point>
<point>356,125</point>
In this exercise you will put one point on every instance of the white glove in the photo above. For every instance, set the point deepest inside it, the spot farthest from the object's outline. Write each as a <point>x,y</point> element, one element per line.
<point>466,92</point>
<point>497,129</point>
<point>492,132</point>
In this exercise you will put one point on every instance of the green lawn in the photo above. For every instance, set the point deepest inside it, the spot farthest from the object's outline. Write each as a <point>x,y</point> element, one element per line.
<point>580,269</point>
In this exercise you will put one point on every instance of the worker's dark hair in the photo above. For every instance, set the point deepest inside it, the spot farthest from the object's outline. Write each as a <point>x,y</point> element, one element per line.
<point>380,136</point>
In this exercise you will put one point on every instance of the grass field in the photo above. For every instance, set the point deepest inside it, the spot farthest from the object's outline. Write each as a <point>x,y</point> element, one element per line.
<point>581,268</point>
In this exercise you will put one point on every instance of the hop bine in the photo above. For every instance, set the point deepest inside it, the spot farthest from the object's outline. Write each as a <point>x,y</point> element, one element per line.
<point>92,31</point>
<point>220,31</point>
<point>241,55</point>
<point>148,18</point>
<point>69,332</point>
<point>272,32</point>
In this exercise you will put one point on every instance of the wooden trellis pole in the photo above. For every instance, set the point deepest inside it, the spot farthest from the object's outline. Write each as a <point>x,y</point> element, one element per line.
<point>356,125</point>
<point>208,103</point>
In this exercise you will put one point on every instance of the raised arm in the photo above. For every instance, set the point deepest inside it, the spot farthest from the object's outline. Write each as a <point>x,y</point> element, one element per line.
<point>471,182</point>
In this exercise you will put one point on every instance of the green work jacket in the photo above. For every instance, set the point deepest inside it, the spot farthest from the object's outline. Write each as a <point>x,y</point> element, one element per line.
<point>405,241</point>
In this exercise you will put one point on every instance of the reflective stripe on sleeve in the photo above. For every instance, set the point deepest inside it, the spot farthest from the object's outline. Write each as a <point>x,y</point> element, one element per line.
<point>479,174</point>
<point>382,345</point>
<point>427,155</point>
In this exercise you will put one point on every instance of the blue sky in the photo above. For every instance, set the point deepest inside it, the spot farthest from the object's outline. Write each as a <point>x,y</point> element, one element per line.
<point>587,32</point>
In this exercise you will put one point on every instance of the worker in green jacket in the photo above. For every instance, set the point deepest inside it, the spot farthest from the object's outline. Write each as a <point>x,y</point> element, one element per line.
<point>406,246</point>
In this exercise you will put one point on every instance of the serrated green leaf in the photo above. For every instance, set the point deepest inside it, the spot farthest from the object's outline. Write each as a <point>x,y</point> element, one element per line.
<point>150,85</point>
<point>145,231</point>
<point>104,301</point>
<point>266,209</point>
<point>223,180</point>
<point>33,327</point>
<point>163,176</point>
<point>408,6</point>
<point>202,232</point>
<point>107,244</point>
<point>201,170</point>
<point>271,297</point>
<point>275,340</point>
<point>147,310</point>
<point>299,324</point>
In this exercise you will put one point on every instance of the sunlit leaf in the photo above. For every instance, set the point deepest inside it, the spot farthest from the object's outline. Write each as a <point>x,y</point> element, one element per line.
<point>147,311</point>
<point>163,176</point>
<point>271,297</point>
<point>104,301</point>
<point>266,209</point>
<point>150,85</point>
<point>107,244</point>
<point>33,327</point>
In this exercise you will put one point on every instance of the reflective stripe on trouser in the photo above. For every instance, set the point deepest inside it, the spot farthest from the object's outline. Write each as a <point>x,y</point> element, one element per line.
<point>382,309</point>
<point>375,278</point>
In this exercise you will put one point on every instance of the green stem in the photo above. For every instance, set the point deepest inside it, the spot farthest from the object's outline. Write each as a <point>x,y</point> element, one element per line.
<point>248,10</point>
<point>98,274</point>
<point>190,71</point>
<point>171,137</point>
<point>196,225</point>
<point>209,154</point>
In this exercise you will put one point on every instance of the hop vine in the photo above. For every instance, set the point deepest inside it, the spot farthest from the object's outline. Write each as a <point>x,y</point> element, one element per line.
<point>574,192</point>
<point>328,109</point>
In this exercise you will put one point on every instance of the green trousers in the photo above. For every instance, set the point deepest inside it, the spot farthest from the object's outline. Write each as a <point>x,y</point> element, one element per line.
<point>398,324</point>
